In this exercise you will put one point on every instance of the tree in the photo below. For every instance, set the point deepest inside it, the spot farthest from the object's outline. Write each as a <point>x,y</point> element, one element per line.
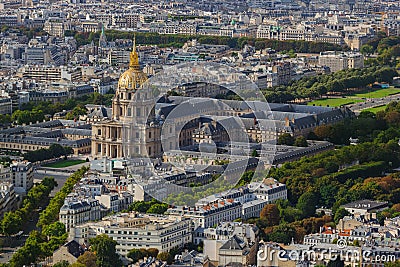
<point>301,141</point>
<point>11,223</point>
<point>56,229</point>
<point>135,255</point>
<point>392,263</point>
<point>75,113</point>
<point>336,263</point>
<point>282,233</point>
<point>104,247</point>
<point>254,153</point>
<point>286,139</point>
<point>339,214</point>
<point>158,208</point>
<point>270,213</point>
<point>63,263</point>
<point>153,252</point>
<point>139,206</point>
<point>165,256</point>
<point>323,132</point>
<point>366,50</point>
<point>307,203</point>
<point>88,259</point>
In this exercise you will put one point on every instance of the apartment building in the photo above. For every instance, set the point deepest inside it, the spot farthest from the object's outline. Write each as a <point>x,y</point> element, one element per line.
<point>133,230</point>
<point>7,198</point>
<point>90,26</point>
<point>230,243</point>
<point>42,54</point>
<point>22,176</point>
<point>211,214</point>
<point>341,60</point>
<point>76,211</point>
<point>42,73</point>
<point>201,89</point>
<point>5,105</point>
<point>56,26</point>
<point>5,173</point>
<point>283,71</point>
<point>269,189</point>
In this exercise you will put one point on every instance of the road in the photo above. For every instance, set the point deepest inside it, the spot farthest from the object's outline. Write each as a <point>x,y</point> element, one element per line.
<point>58,175</point>
<point>11,245</point>
<point>373,102</point>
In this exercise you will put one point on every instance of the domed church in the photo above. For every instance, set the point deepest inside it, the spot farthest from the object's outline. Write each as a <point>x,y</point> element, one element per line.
<point>107,134</point>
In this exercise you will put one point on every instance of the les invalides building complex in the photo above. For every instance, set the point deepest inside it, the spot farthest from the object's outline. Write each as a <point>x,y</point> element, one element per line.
<point>135,121</point>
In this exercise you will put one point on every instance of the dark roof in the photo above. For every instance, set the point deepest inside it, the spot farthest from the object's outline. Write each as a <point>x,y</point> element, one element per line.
<point>48,124</point>
<point>366,204</point>
<point>100,112</point>
<point>234,243</point>
<point>74,248</point>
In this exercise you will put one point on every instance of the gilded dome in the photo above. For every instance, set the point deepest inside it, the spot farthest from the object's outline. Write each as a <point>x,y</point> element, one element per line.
<point>133,77</point>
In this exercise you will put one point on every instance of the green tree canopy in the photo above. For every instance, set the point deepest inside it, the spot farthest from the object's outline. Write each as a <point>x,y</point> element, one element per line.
<point>307,203</point>
<point>104,247</point>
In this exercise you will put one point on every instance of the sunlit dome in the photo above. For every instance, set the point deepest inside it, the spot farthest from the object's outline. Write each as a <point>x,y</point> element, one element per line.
<point>133,77</point>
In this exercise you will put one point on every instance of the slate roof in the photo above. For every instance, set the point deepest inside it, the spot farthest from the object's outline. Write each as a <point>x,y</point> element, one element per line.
<point>233,243</point>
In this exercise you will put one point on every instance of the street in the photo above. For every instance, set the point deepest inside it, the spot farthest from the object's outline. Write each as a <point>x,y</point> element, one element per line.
<point>11,244</point>
<point>373,102</point>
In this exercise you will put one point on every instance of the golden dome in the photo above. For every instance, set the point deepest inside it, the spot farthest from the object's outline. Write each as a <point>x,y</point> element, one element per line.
<point>133,77</point>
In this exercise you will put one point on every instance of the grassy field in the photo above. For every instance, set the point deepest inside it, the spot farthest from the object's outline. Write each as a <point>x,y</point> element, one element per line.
<point>64,163</point>
<point>375,109</point>
<point>379,93</point>
<point>334,102</point>
<point>356,98</point>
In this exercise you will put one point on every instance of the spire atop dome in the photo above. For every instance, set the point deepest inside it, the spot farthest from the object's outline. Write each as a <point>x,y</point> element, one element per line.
<point>133,77</point>
<point>134,57</point>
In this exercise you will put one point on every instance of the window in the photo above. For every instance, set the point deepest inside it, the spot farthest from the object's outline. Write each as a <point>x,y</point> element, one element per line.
<point>129,112</point>
<point>98,131</point>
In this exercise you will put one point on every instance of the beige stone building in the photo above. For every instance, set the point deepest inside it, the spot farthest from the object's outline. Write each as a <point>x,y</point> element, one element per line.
<point>133,230</point>
<point>133,120</point>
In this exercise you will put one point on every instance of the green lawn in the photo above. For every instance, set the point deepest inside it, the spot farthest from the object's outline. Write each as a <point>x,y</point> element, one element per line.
<point>356,98</point>
<point>379,93</point>
<point>65,163</point>
<point>375,109</point>
<point>334,102</point>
